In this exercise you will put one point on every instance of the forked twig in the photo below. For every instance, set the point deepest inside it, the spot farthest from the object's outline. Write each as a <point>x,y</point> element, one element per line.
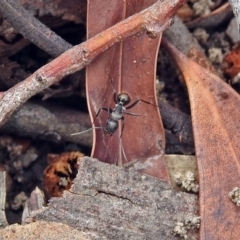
<point>154,20</point>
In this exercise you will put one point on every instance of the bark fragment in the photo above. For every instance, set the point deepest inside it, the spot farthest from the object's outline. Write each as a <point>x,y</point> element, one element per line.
<point>119,203</point>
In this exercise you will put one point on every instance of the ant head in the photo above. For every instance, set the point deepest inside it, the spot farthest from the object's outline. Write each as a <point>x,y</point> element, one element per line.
<point>124,98</point>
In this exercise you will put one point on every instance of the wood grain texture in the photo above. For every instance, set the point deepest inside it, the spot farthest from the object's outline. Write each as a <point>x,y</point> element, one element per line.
<point>119,203</point>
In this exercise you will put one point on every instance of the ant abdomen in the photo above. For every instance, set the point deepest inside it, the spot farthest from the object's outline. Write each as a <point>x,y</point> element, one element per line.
<point>111,126</point>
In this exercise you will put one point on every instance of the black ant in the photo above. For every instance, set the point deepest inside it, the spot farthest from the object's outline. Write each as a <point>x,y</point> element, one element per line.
<point>116,114</point>
<point>122,101</point>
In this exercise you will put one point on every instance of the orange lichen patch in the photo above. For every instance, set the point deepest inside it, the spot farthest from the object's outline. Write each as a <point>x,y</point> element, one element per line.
<point>231,65</point>
<point>60,172</point>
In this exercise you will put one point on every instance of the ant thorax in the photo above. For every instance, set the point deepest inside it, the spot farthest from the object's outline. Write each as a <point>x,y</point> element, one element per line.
<point>117,112</point>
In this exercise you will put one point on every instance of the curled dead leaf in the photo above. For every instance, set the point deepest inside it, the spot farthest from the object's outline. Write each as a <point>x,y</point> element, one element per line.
<point>215,109</point>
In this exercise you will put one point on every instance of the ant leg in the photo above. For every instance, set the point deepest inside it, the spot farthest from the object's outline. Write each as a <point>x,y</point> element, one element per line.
<point>127,164</point>
<point>114,93</point>
<point>137,101</point>
<point>120,137</point>
<point>132,114</point>
<point>133,104</point>
<point>123,152</point>
<point>115,97</point>
<point>109,110</point>
<point>123,121</point>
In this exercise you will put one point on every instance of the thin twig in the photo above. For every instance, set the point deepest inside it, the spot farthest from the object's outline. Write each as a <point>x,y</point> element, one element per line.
<point>49,122</point>
<point>32,29</point>
<point>154,19</point>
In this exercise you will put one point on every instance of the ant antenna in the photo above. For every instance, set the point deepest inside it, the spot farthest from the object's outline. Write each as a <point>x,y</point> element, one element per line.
<point>79,133</point>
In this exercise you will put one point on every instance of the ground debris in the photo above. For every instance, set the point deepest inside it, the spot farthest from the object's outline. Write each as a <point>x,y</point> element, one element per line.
<point>119,203</point>
<point>182,229</point>
<point>234,195</point>
<point>187,181</point>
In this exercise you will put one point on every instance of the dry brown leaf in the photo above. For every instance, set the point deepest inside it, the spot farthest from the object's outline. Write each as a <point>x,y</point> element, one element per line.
<point>215,109</point>
<point>130,66</point>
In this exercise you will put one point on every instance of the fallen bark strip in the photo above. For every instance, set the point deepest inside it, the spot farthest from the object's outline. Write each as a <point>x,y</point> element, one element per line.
<point>119,203</point>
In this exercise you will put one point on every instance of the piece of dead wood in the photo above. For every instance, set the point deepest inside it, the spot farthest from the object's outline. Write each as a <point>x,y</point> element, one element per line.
<point>53,13</point>
<point>119,203</point>
<point>50,123</point>
<point>214,19</point>
<point>73,10</point>
<point>36,31</point>
<point>3,220</point>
